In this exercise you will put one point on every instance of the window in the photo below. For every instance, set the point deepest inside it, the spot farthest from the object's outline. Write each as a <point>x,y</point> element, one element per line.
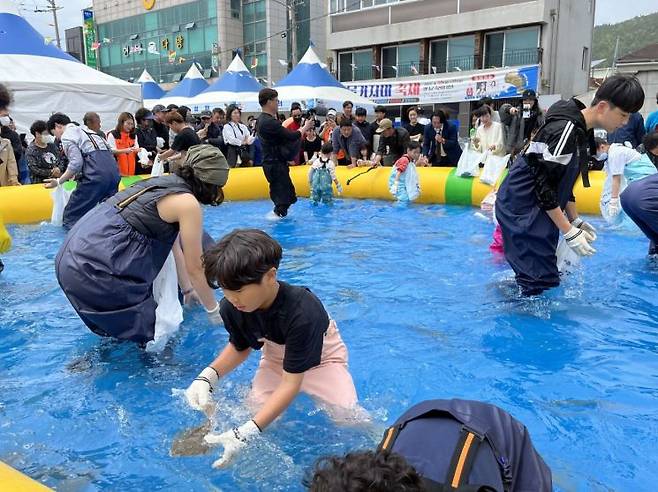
<point>254,33</point>
<point>513,47</point>
<point>452,54</point>
<point>235,9</point>
<point>355,65</point>
<point>400,61</point>
<point>339,6</point>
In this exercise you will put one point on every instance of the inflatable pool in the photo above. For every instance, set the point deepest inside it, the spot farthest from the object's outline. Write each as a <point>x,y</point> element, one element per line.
<point>32,203</point>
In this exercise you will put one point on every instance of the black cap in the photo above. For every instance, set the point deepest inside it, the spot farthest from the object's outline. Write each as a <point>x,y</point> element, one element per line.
<point>206,114</point>
<point>529,94</point>
<point>158,108</point>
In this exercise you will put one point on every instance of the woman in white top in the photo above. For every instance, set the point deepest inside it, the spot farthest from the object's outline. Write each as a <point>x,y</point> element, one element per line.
<point>489,135</point>
<point>237,138</point>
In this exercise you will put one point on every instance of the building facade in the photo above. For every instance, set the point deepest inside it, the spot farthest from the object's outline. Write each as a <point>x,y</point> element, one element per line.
<point>372,40</point>
<point>167,36</point>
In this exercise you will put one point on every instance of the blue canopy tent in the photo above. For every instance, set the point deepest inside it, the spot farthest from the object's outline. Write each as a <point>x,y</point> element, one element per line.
<point>151,91</point>
<point>311,84</point>
<point>192,84</point>
<point>236,86</point>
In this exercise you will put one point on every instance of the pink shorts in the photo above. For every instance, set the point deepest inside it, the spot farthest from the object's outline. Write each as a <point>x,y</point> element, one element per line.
<point>330,382</point>
<point>496,245</point>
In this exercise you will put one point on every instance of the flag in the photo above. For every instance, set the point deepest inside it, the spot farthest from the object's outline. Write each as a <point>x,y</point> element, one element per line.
<point>395,67</point>
<point>433,69</point>
<point>376,67</point>
<point>171,56</point>
<point>414,70</point>
<point>95,45</point>
<point>283,62</point>
<point>254,62</point>
<point>353,66</point>
<point>181,59</point>
<point>107,40</point>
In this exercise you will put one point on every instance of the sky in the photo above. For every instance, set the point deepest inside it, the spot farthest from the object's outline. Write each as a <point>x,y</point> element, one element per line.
<point>607,11</point>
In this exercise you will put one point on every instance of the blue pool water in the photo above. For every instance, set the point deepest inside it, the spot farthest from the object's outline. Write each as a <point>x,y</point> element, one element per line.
<point>425,311</point>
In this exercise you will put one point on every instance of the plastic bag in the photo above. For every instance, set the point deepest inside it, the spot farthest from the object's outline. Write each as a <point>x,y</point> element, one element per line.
<point>567,259</point>
<point>159,143</point>
<point>158,167</point>
<point>169,313</point>
<point>469,162</point>
<point>60,198</point>
<point>411,182</point>
<point>143,156</point>
<point>493,168</point>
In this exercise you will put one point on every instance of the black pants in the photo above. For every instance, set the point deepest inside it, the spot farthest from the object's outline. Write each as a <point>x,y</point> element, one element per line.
<point>282,191</point>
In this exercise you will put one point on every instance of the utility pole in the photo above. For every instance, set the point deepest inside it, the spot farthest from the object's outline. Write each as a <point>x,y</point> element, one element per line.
<point>291,4</point>
<point>52,7</point>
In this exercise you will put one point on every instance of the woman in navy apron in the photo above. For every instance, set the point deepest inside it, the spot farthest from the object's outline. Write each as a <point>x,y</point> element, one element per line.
<point>110,258</point>
<point>91,163</point>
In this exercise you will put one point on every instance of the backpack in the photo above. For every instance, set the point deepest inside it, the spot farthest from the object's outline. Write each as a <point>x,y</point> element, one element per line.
<point>467,446</point>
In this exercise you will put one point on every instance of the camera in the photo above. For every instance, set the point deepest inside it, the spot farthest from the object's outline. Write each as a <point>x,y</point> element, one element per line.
<point>313,113</point>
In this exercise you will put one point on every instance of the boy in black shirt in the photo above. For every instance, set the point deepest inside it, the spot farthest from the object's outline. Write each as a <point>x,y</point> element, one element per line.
<point>302,349</point>
<point>280,146</point>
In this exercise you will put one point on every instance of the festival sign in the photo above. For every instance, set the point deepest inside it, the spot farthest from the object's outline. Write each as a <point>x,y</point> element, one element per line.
<point>497,84</point>
<point>89,35</point>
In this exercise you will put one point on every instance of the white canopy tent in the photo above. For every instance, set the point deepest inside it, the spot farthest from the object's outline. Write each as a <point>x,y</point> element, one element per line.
<point>311,85</point>
<point>45,80</point>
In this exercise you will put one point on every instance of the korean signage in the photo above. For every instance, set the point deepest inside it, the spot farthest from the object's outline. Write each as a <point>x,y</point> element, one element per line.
<point>497,84</point>
<point>89,33</point>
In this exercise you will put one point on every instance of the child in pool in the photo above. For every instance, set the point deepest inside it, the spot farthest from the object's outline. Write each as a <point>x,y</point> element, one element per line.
<point>301,347</point>
<point>619,160</point>
<point>320,176</point>
<point>403,182</point>
<point>365,158</point>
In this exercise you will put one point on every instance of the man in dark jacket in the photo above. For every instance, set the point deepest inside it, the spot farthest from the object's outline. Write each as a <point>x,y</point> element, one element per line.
<point>278,149</point>
<point>441,445</point>
<point>214,135</point>
<point>440,141</point>
<point>532,201</point>
<point>632,132</point>
<point>393,143</point>
<point>159,125</point>
<point>520,123</point>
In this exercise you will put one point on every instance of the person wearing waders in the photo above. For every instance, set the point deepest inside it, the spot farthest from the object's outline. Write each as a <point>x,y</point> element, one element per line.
<point>280,146</point>
<point>535,203</point>
<point>111,257</point>
<point>90,162</point>
<point>442,446</point>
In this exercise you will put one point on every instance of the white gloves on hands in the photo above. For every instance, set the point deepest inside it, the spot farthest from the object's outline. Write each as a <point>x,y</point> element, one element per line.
<point>614,207</point>
<point>394,188</point>
<point>234,441</point>
<point>578,240</point>
<point>339,188</point>
<point>213,315</point>
<point>198,393</point>
<point>585,226</point>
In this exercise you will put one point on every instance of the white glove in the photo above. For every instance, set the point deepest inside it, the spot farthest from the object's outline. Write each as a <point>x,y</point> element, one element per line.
<point>213,315</point>
<point>614,207</point>
<point>394,188</point>
<point>585,226</point>
<point>339,188</point>
<point>198,393</point>
<point>234,441</point>
<point>578,240</point>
